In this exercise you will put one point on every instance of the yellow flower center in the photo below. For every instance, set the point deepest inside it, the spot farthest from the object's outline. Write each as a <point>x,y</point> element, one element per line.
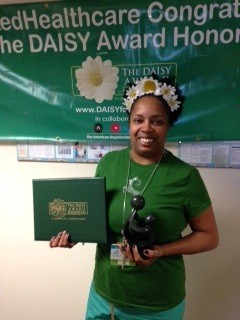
<point>96,79</point>
<point>132,94</point>
<point>166,91</point>
<point>149,86</point>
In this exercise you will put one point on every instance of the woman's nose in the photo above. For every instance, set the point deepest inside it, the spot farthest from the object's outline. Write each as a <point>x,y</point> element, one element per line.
<point>146,126</point>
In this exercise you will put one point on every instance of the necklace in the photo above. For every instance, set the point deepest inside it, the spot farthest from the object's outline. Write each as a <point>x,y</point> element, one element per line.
<point>146,185</point>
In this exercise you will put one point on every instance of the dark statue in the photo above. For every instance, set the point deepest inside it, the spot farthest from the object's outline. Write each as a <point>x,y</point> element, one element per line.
<point>137,230</point>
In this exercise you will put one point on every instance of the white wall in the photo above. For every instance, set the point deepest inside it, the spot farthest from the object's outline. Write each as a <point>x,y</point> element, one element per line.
<point>39,283</point>
<point>36,282</point>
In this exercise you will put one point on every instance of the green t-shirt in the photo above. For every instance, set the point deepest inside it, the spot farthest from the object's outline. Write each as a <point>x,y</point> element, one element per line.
<point>175,194</point>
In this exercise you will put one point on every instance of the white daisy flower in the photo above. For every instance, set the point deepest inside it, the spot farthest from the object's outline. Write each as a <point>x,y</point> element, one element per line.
<point>147,85</point>
<point>132,93</point>
<point>167,91</point>
<point>173,103</point>
<point>128,104</point>
<point>158,92</point>
<point>97,79</point>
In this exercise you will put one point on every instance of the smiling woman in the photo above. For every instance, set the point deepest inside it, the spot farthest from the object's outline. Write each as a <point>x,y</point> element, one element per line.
<point>153,107</point>
<point>148,283</point>
<point>148,129</point>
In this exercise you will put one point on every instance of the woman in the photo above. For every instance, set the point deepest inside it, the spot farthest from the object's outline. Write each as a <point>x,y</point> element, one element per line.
<point>151,285</point>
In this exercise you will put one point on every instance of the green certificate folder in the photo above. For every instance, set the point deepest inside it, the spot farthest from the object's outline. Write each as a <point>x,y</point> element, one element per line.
<point>74,205</point>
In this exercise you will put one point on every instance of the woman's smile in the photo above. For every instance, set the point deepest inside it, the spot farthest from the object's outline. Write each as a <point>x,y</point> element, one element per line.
<point>146,140</point>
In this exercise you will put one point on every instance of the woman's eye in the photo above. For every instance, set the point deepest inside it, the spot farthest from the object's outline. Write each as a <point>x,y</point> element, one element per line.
<point>157,122</point>
<point>137,120</point>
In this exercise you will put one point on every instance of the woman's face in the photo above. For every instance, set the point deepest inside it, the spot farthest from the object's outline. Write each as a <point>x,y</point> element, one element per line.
<point>148,129</point>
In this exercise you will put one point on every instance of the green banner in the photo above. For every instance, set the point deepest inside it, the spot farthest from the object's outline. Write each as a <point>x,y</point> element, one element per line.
<point>64,66</point>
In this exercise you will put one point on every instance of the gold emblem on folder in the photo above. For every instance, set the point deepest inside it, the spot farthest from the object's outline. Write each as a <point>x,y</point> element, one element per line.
<point>60,209</point>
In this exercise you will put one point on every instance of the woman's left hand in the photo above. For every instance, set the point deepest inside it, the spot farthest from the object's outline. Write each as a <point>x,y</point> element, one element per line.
<point>61,240</point>
<point>133,255</point>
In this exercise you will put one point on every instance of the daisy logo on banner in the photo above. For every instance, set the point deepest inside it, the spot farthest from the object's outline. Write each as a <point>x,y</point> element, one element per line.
<point>97,79</point>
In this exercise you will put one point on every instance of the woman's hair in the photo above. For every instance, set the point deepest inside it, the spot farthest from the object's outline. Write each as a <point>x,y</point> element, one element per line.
<point>163,89</point>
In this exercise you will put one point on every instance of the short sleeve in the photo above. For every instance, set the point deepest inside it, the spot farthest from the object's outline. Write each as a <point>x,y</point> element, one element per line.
<point>197,198</point>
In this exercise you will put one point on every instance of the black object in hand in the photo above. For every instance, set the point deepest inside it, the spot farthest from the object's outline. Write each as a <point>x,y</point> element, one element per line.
<point>137,230</point>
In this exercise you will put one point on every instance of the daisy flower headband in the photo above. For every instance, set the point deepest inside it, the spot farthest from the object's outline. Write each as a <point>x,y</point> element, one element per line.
<point>151,86</point>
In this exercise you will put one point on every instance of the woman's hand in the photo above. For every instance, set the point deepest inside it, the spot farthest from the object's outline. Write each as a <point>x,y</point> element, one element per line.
<point>61,240</point>
<point>133,255</point>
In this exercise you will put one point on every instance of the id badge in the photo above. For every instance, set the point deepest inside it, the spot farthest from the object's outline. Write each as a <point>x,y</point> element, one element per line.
<point>118,259</point>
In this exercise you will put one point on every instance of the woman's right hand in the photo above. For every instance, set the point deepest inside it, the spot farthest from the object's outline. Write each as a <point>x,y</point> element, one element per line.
<point>61,240</point>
